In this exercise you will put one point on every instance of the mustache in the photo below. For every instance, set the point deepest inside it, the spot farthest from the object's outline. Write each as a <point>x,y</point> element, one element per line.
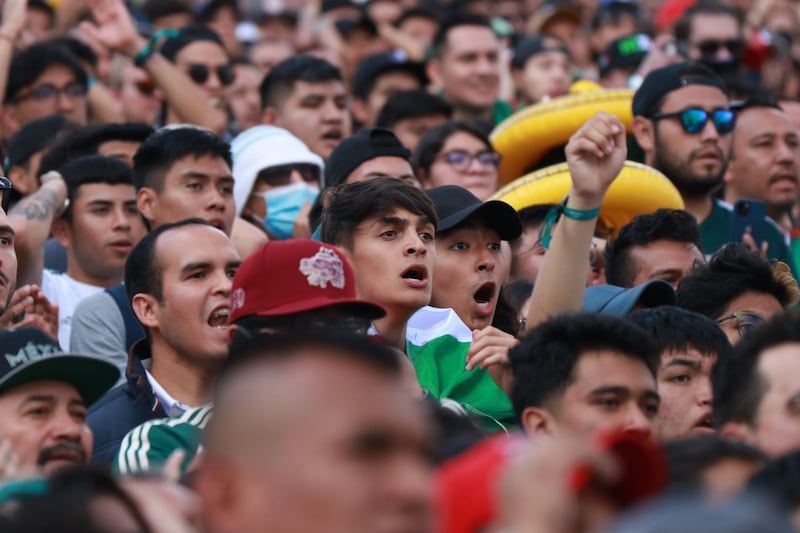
<point>47,454</point>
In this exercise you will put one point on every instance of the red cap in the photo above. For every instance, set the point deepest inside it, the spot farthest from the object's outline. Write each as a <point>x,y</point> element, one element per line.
<point>294,275</point>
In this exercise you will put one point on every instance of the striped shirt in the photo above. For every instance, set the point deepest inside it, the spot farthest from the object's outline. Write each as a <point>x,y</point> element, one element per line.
<point>147,446</point>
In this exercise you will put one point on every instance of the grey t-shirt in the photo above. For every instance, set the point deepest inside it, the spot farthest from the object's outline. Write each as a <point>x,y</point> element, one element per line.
<point>98,329</point>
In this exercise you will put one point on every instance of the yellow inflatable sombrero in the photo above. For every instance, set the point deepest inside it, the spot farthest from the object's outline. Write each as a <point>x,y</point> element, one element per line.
<point>526,136</point>
<point>638,189</point>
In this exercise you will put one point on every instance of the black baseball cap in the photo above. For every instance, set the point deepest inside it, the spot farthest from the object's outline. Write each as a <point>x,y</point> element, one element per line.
<point>455,204</point>
<point>367,144</point>
<point>663,81</point>
<point>627,52</point>
<point>33,137</point>
<point>536,44</point>
<point>28,355</point>
<point>371,67</point>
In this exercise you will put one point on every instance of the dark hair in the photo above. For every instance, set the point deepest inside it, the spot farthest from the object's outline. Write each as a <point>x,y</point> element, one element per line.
<point>186,36</point>
<point>209,10</point>
<point>87,141</point>
<point>44,7</point>
<point>779,480</point>
<point>517,292</point>
<point>733,270</point>
<point>156,9</point>
<point>455,21</point>
<point>78,48</point>
<point>737,385</point>
<point>159,152</point>
<point>676,329</point>
<point>283,346</point>
<point>416,12</point>
<point>278,85</point>
<point>68,500</point>
<point>411,104</point>
<point>435,138</point>
<point>543,363</point>
<point>613,12</point>
<point>28,64</point>
<point>684,24</point>
<point>534,215</point>
<point>689,459</point>
<point>92,169</point>
<point>142,268</point>
<point>674,225</point>
<point>352,203</point>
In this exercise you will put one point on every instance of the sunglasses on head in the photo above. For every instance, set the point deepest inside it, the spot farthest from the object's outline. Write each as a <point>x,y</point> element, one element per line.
<point>710,47</point>
<point>694,120</point>
<point>200,73</point>
<point>146,87</point>
<point>5,192</point>
<point>282,175</point>
<point>746,321</point>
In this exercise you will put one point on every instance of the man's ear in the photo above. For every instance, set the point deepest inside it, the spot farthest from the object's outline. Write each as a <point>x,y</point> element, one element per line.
<point>738,431</point>
<point>8,120</point>
<point>537,421</point>
<point>19,181</point>
<point>269,116</point>
<point>147,203</point>
<point>145,307</point>
<point>62,231</point>
<point>359,110</point>
<point>434,71</point>
<point>643,129</point>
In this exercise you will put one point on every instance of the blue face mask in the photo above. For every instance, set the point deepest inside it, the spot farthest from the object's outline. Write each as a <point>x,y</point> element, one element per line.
<point>283,206</point>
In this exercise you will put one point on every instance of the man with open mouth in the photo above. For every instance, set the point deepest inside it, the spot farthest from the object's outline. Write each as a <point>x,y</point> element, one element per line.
<point>44,395</point>
<point>470,269</point>
<point>178,280</point>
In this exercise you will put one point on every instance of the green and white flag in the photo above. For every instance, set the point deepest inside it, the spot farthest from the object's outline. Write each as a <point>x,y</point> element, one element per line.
<point>437,341</point>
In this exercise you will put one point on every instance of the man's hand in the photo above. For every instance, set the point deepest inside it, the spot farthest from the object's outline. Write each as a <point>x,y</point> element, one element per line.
<point>113,27</point>
<point>489,347</point>
<point>29,307</point>
<point>595,155</point>
<point>13,17</point>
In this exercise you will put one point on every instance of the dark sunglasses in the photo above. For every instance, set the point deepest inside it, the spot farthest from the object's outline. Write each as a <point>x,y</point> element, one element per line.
<point>5,192</point>
<point>746,321</point>
<point>710,47</point>
<point>49,91</point>
<point>461,159</point>
<point>281,175</point>
<point>694,120</point>
<point>200,73</point>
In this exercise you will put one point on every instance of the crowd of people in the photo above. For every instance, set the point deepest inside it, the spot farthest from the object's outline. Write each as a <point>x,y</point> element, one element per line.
<point>258,270</point>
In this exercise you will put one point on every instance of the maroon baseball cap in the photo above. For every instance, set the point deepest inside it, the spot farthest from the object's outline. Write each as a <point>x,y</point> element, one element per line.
<point>295,275</point>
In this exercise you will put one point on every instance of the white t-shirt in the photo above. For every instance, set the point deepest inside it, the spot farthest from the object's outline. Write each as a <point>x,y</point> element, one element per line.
<point>67,293</point>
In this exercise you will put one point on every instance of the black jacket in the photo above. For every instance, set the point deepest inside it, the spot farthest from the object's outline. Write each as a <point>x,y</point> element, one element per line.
<point>123,408</point>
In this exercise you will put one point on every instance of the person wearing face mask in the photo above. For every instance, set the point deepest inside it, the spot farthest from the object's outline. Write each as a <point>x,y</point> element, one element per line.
<point>277,179</point>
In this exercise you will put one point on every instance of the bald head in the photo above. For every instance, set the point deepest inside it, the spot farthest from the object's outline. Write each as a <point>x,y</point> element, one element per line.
<point>301,425</point>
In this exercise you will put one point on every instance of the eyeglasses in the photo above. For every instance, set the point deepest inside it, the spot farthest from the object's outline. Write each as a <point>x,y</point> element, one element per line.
<point>146,86</point>
<point>5,192</point>
<point>282,175</point>
<point>461,159</point>
<point>745,321</point>
<point>48,91</point>
<point>200,73</point>
<point>693,120</point>
<point>709,48</point>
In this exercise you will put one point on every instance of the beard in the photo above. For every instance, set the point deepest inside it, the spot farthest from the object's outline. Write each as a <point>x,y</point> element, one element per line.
<point>679,170</point>
<point>46,454</point>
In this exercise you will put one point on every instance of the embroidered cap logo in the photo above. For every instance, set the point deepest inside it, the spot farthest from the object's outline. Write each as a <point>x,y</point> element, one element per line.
<point>323,268</point>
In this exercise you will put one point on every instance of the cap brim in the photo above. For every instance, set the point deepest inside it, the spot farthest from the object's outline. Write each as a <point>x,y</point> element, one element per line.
<point>355,307</point>
<point>92,377</point>
<point>654,293</point>
<point>499,216</point>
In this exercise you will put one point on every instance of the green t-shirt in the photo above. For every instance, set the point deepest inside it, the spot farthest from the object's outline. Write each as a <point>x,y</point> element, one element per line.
<point>437,342</point>
<point>147,446</point>
<point>715,233</point>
